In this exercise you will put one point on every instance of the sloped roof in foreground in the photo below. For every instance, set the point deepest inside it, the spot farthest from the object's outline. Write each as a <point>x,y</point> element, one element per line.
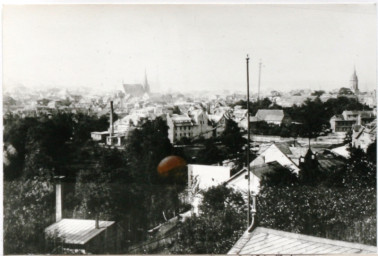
<point>77,231</point>
<point>270,241</point>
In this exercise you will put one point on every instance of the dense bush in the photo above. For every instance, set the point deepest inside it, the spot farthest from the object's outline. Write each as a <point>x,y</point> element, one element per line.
<point>113,184</point>
<point>217,228</point>
<point>336,213</point>
<point>340,204</point>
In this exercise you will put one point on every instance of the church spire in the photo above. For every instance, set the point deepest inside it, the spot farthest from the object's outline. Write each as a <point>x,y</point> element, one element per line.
<point>146,85</point>
<point>354,81</point>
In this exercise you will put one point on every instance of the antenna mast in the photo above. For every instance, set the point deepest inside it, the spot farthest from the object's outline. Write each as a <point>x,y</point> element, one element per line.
<point>248,167</point>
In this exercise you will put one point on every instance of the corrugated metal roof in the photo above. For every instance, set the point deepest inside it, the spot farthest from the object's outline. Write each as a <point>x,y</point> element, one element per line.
<point>77,231</point>
<point>270,241</point>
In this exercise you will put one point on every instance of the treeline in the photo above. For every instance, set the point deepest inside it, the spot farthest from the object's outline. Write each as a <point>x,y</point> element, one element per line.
<point>333,106</point>
<point>58,137</point>
<point>309,119</point>
<point>340,204</point>
<point>112,184</point>
<point>284,130</point>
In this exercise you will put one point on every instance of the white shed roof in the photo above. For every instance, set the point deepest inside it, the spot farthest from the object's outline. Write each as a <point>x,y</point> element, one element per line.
<point>77,231</point>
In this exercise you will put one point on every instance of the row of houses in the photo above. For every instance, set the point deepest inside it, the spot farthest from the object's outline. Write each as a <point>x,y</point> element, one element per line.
<point>186,120</point>
<point>348,118</point>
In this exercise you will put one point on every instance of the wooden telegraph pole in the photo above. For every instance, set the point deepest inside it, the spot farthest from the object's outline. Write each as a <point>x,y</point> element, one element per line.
<point>248,167</point>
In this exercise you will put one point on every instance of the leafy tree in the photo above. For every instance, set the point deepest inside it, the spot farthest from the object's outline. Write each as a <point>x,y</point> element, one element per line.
<point>217,228</point>
<point>255,106</point>
<point>359,171</point>
<point>145,148</point>
<point>60,137</point>
<point>121,185</point>
<point>372,152</point>
<point>313,118</point>
<point>211,153</point>
<point>318,93</point>
<point>28,207</point>
<point>15,132</point>
<point>232,138</point>
<point>335,213</point>
<point>310,172</point>
<point>335,106</point>
<point>338,205</point>
<point>279,177</point>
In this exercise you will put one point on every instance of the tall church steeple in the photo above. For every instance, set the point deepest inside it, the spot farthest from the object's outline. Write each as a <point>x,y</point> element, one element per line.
<point>146,85</point>
<point>354,82</point>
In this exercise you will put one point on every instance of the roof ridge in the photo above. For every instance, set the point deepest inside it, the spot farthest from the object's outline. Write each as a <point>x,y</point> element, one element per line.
<point>316,239</point>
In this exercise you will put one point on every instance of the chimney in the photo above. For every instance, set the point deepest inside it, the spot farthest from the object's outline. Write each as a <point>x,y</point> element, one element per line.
<point>58,198</point>
<point>97,225</point>
<point>111,119</point>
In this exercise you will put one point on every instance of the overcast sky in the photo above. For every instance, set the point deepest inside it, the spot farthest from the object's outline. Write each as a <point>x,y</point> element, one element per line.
<point>189,47</point>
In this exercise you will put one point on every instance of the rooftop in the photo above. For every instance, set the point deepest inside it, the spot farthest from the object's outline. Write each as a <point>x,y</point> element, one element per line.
<point>270,114</point>
<point>181,118</point>
<point>270,241</point>
<point>258,170</point>
<point>77,231</point>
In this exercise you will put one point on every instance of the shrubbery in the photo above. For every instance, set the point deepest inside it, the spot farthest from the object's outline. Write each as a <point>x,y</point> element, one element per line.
<point>217,228</point>
<point>341,205</point>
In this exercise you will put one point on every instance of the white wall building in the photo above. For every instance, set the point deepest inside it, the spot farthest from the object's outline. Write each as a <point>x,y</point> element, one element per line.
<point>202,177</point>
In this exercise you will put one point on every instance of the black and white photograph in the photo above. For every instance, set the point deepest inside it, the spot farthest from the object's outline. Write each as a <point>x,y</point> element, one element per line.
<point>175,128</point>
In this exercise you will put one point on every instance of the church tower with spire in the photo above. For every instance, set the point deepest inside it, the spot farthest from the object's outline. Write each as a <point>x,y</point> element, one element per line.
<point>146,85</point>
<point>354,82</point>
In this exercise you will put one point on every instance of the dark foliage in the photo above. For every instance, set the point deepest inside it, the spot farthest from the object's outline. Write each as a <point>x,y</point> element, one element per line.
<point>111,184</point>
<point>255,106</point>
<point>219,226</point>
<point>318,93</point>
<point>58,136</point>
<point>283,177</point>
<point>211,154</point>
<point>371,152</point>
<point>336,213</point>
<point>285,130</point>
<point>339,205</point>
<point>232,138</point>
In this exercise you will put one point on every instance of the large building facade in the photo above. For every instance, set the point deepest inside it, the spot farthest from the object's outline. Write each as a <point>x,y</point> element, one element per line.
<point>345,121</point>
<point>193,125</point>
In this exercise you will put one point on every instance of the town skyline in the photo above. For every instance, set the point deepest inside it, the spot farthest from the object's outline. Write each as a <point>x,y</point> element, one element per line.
<point>189,47</point>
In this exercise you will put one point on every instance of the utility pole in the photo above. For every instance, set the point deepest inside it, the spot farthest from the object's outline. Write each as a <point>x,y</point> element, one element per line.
<point>258,93</point>
<point>248,167</point>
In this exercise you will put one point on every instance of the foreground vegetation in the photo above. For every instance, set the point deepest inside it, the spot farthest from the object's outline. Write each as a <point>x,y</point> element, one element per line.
<point>124,185</point>
<point>111,184</point>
